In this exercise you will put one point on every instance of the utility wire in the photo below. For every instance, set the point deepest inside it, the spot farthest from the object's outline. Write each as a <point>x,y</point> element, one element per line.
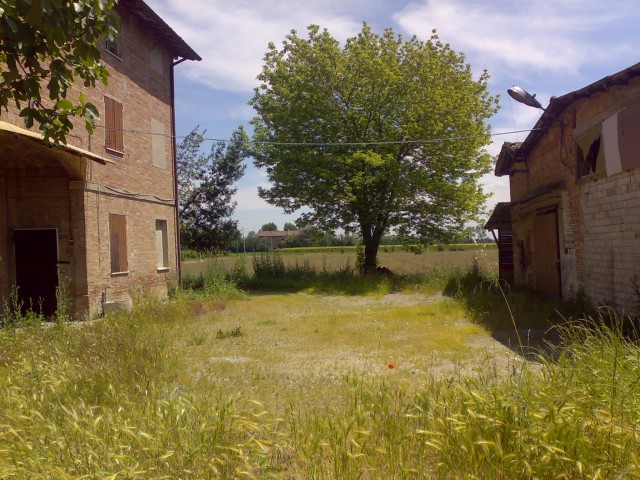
<point>325,144</point>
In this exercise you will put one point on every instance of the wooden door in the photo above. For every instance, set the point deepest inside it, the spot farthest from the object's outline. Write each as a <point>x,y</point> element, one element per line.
<point>546,257</point>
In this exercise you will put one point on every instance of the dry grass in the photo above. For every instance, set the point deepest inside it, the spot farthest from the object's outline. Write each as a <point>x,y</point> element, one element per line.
<point>300,347</point>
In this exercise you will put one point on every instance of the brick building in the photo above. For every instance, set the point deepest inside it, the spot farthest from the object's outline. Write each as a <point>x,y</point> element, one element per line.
<point>573,222</point>
<point>98,215</point>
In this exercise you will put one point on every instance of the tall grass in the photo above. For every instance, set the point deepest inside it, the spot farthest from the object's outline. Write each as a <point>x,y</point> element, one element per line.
<point>102,400</point>
<point>271,273</point>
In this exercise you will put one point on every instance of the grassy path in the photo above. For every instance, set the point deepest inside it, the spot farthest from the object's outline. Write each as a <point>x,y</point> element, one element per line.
<point>302,346</point>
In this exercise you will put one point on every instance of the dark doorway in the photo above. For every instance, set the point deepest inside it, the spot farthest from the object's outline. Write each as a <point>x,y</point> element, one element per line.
<point>547,254</point>
<point>37,269</point>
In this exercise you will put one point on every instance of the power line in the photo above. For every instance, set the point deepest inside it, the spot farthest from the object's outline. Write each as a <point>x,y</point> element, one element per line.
<point>326,144</point>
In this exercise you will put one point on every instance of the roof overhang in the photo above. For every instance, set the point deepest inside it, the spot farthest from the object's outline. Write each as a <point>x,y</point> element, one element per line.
<point>151,20</point>
<point>500,219</point>
<point>506,158</point>
<point>39,138</point>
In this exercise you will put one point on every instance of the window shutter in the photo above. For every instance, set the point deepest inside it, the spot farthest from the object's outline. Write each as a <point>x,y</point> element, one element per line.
<point>114,137</point>
<point>118,243</point>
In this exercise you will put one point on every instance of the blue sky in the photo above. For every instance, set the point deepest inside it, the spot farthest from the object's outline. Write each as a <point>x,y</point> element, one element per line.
<point>547,47</point>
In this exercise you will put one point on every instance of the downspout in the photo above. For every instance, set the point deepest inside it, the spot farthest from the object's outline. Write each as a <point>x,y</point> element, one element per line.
<point>175,171</point>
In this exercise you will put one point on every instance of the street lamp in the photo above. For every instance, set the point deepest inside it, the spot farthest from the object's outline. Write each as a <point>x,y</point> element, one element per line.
<point>522,96</point>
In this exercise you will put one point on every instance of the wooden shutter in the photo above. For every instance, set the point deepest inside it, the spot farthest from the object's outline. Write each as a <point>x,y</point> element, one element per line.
<point>118,243</point>
<point>114,138</point>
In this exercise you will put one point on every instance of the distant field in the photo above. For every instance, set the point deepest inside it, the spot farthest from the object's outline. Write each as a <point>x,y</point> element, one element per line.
<point>400,262</point>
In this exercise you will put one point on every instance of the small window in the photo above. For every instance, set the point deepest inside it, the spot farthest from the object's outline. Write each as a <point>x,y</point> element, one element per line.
<point>113,124</point>
<point>162,248</point>
<point>590,153</point>
<point>118,243</point>
<point>114,46</point>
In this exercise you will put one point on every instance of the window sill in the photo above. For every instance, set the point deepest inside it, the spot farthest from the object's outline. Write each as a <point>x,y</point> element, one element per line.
<point>119,274</point>
<point>163,269</point>
<point>114,55</point>
<point>115,153</point>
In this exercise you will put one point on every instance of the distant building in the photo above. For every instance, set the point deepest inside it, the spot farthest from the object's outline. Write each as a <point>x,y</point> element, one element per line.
<point>573,222</point>
<point>273,239</point>
<point>100,214</point>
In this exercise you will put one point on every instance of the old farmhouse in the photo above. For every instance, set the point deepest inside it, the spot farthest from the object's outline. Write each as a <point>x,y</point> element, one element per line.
<point>573,223</point>
<point>99,215</point>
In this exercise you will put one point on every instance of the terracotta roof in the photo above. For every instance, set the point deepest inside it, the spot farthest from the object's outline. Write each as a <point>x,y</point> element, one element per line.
<point>558,104</point>
<point>150,19</point>
<point>278,233</point>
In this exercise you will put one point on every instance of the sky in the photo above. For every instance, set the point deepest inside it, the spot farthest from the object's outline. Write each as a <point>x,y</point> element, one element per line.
<point>547,47</point>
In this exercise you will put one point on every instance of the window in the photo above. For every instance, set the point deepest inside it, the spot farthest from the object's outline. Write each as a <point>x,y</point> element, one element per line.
<point>157,60</point>
<point>162,249</point>
<point>114,46</point>
<point>590,153</point>
<point>118,243</point>
<point>113,139</point>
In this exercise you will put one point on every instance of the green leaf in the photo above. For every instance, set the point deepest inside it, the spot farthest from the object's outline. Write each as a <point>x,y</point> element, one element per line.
<point>64,104</point>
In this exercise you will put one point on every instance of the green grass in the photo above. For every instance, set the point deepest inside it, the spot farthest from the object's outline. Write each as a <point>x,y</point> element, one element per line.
<point>399,262</point>
<point>300,385</point>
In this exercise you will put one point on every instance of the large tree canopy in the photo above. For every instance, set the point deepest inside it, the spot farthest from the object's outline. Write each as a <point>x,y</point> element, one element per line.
<point>44,46</point>
<point>393,132</point>
<point>205,185</point>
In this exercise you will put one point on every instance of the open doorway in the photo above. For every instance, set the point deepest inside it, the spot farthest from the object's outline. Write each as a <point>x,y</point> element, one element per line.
<point>36,257</point>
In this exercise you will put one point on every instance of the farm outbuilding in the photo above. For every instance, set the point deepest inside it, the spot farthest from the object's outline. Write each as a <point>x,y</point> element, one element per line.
<point>574,215</point>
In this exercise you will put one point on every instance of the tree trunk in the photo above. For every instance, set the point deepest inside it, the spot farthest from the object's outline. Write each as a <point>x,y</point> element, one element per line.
<point>371,244</point>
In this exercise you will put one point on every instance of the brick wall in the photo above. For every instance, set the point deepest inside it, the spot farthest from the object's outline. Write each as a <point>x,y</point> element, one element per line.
<point>598,216</point>
<point>77,201</point>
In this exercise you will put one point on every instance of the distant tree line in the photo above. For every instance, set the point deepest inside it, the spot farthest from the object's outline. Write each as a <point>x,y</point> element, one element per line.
<point>310,237</point>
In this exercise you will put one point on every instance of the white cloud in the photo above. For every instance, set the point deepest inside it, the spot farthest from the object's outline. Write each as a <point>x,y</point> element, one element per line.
<point>545,35</point>
<point>232,37</point>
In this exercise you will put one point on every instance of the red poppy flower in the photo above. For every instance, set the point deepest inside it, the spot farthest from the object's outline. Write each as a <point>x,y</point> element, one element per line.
<point>391,365</point>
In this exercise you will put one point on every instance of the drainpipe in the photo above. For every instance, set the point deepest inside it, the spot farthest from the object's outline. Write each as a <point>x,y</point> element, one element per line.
<point>175,170</point>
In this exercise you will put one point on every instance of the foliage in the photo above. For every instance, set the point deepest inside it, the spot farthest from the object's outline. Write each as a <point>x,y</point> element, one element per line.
<point>269,227</point>
<point>232,333</point>
<point>44,47</point>
<point>289,226</point>
<point>377,88</point>
<point>213,283</point>
<point>205,187</point>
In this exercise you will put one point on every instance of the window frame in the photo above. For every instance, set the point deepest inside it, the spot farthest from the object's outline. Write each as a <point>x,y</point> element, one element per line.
<point>162,244</point>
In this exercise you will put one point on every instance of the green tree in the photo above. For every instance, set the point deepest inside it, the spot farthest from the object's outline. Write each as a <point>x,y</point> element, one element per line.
<point>360,110</point>
<point>290,226</point>
<point>269,227</point>
<point>205,185</point>
<point>44,46</point>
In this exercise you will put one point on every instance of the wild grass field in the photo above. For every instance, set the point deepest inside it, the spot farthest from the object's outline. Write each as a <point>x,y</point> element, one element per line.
<point>398,261</point>
<point>421,376</point>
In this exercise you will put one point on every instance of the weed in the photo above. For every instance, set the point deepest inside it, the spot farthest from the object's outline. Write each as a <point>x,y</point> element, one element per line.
<point>233,333</point>
<point>197,340</point>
